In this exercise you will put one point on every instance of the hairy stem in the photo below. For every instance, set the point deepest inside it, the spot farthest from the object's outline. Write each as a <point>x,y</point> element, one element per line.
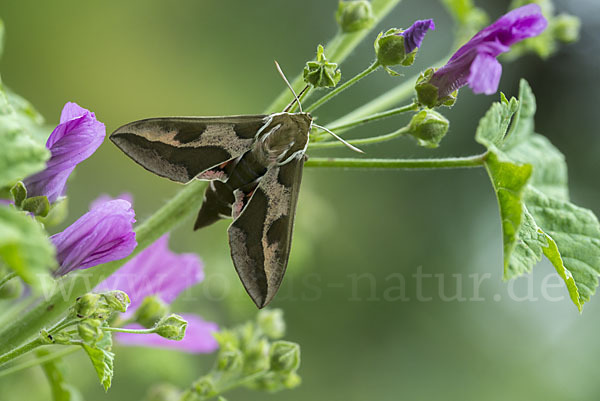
<point>7,278</point>
<point>38,361</point>
<point>68,288</point>
<point>337,50</point>
<point>451,162</point>
<point>339,89</point>
<point>23,349</point>
<point>373,117</point>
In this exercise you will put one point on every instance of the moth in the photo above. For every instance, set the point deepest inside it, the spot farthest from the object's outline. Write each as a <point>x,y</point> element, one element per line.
<point>254,164</point>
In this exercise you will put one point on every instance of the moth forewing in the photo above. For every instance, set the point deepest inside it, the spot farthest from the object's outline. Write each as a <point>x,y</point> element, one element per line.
<point>184,148</point>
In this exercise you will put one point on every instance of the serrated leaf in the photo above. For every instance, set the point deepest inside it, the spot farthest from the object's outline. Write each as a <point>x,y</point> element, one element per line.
<point>573,235</point>
<point>59,388</point>
<point>536,214</point>
<point>528,248</point>
<point>493,126</point>
<point>25,247</point>
<point>102,359</point>
<point>20,154</point>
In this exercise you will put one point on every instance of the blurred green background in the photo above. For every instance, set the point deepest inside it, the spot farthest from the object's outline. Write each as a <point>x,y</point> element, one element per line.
<point>356,230</point>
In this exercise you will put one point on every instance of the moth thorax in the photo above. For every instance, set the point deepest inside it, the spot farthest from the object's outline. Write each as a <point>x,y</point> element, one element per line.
<point>276,144</point>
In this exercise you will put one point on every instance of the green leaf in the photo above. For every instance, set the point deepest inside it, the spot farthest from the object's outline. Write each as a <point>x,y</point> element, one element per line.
<point>20,154</point>
<point>573,234</point>
<point>102,359</point>
<point>59,388</point>
<point>37,205</point>
<point>25,247</point>
<point>529,176</point>
<point>29,118</point>
<point>509,180</point>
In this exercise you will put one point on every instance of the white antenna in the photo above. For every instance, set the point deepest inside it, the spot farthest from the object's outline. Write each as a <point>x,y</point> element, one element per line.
<point>289,86</point>
<point>352,147</point>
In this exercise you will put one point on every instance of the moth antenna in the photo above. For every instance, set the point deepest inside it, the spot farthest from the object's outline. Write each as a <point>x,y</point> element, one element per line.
<point>296,98</point>
<point>350,146</point>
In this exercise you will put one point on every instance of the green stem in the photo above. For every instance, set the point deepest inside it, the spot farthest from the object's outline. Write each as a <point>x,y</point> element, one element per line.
<point>451,162</point>
<point>70,287</point>
<point>337,49</point>
<point>132,331</point>
<point>38,361</point>
<point>343,87</point>
<point>363,141</point>
<point>23,349</point>
<point>377,116</point>
<point>7,278</point>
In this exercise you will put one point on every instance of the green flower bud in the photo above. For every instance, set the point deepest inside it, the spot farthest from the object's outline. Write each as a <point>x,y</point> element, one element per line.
<point>257,357</point>
<point>389,47</point>
<point>172,327</point>
<point>151,311</point>
<point>428,127</point>
<point>566,28</point>
<point>353,16</point>
<point>229,360</point>
<point>320,73</point>
<point>87,304</point>
<point>11,289</point>
<point>90,330</point>
<point>271,323</point>
<point>285,356</point>
<point>204,387</point>
<point>117,300</point>
<point>428,94</point>
<point>18,193</point>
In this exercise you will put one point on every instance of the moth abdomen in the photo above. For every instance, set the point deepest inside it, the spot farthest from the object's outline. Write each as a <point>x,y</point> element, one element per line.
<point>218,199</point>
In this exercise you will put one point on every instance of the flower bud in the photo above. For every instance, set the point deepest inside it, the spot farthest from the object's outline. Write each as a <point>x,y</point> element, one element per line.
<point>38,206</point>
<point>204,387</point>
<point>320,73</point>
<point>172,327</point>
<point>117,300</point>
<point>87,304</point>
<point>285,356</point>
<point>389,47</point>
<point>229,360</point>
<point>90,330</point>
<point>428,94</point>
<point>151,311</point>
<point>271,323</point>
<point>257,357</point>
<point>353,16</point>
<point>566,28</point>
<point>428,127</point>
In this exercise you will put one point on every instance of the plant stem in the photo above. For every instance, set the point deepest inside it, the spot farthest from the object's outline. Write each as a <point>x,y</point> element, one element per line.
<point>38,361</point>
<point>7,278</point>
<point>342,87</point>
<point>132,331</point>
<point>451,162</point>
<point>377,116</point>
<point>23,349</point>
<point>70,287</point>
<point>363,141</point>
<point>337,49</point>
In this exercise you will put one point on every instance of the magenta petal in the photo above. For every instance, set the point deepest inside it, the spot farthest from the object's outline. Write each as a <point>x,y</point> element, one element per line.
<point>470,63</point>
<point>101,235</point>
<point>75,139</point>
<point>156,271</point>
<point>413,36</point>
<point>485,74</point>
<point>105,198</point>
<point>198,337</point>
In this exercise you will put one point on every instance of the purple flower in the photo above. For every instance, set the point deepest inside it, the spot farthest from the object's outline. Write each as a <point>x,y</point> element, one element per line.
<point>103,234</point>
<point>156,271</point>
<point>413,36</point>
<point>475,63</point>
<point>75,139</point>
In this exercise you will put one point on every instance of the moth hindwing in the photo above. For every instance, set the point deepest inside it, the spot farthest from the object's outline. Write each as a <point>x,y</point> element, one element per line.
<point>254,164</point>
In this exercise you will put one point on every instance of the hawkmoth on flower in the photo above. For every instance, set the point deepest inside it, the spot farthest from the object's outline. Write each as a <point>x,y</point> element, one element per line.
<point>254,164</point>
